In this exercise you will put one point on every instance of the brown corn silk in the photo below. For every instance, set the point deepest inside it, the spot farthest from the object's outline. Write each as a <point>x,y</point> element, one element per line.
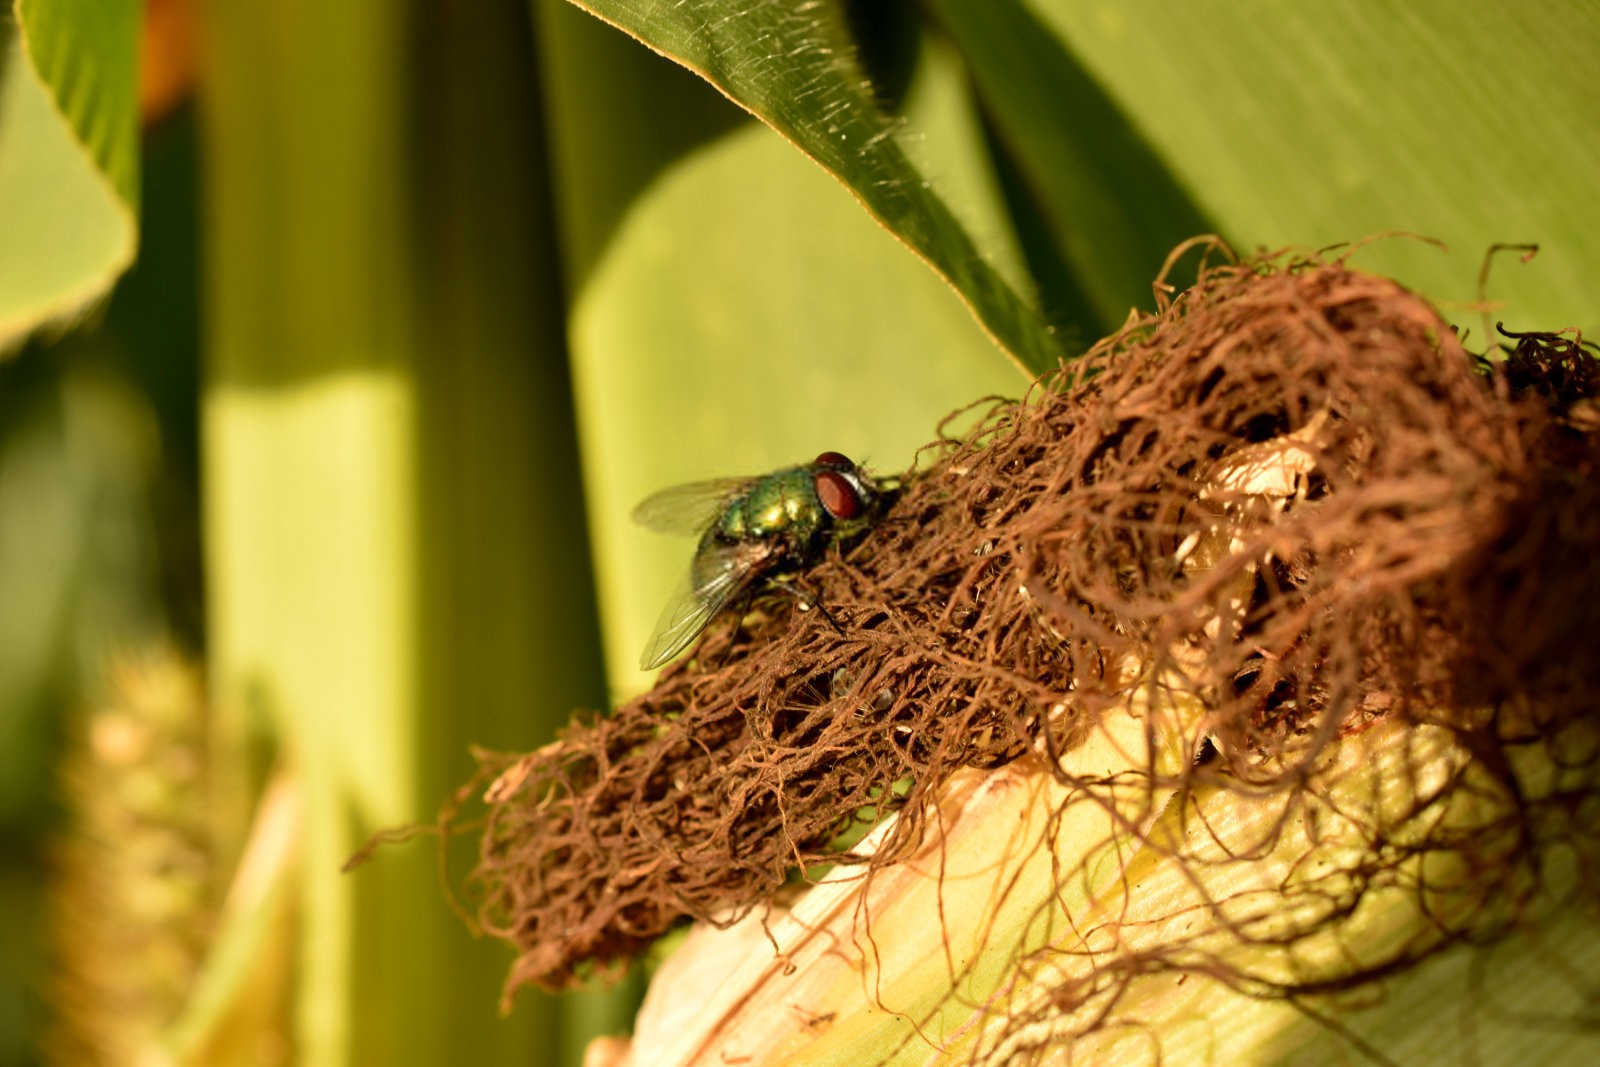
<point>1434,563</point>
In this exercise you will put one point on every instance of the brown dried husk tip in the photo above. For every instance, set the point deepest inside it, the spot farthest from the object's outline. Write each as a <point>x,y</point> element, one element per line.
<point>1435,562</point>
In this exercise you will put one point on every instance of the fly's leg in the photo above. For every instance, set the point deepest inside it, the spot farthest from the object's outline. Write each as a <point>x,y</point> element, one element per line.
<point>809,599</point>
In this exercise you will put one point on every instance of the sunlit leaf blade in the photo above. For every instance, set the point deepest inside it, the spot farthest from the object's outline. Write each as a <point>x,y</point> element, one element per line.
<point>1107,201</point>
<point>789,65</point>
<point>68,158</point>
<point>1311,124</point>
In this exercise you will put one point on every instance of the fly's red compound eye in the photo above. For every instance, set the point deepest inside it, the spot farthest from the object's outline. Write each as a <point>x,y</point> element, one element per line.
<point>837,460</point>
<point>837,494</point>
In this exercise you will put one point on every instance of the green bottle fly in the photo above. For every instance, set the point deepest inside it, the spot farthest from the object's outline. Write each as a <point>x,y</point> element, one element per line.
<point>752,528</point>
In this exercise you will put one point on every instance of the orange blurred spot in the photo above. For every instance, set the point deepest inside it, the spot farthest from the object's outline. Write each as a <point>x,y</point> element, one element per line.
<point>167,49</point>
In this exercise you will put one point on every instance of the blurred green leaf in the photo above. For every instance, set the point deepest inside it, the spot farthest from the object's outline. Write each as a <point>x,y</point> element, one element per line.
<point>792,66</point>
<point>98,532</point>
<point>79,454</point>
<point>395,550</point>
<point>69,158</point>
<point>1312,124</point>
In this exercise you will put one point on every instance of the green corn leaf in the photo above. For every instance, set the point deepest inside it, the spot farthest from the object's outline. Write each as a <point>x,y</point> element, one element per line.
<point>791,66</point>
<point>1108,202</point>
<point>1313,124</point>
<point>394,570</point>
<point>69,157</point>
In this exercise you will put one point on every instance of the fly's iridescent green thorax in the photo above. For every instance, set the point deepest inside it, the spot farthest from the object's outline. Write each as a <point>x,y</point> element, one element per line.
<point>775,504</point>
<point>753,528</point>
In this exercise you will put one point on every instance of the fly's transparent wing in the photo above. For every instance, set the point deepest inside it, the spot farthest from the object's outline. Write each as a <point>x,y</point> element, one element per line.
<point>688,508</point>
<point>723,570</point>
